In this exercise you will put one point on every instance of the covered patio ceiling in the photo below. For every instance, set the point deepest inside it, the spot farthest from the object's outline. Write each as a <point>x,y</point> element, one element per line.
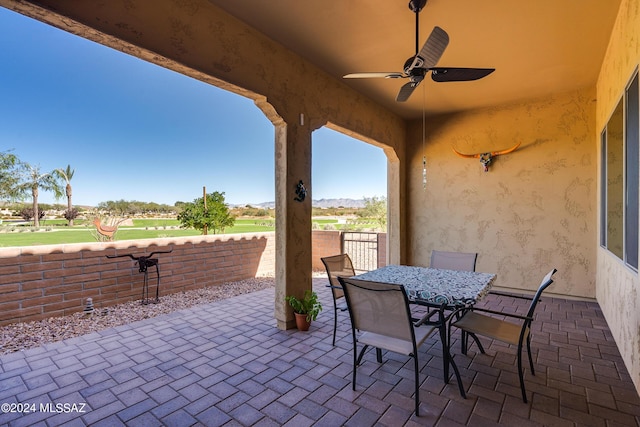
<point>537,47</point>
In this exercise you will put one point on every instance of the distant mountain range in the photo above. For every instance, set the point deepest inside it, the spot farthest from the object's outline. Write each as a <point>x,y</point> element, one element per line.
<point>322,203</point>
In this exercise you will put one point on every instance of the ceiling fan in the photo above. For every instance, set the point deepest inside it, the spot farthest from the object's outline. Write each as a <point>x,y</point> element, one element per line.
<point>425,60</point>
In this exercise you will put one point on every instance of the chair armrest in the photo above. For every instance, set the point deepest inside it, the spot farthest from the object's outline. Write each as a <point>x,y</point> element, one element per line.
<point>507,294</point>
<point>500,313</point>
<point>454,313</point>
<point>442,319</point>
<point>426,319</point>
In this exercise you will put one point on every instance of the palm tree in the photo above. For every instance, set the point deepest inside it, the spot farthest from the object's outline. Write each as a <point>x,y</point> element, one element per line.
<point>31,180</point>
<point>67,174</point>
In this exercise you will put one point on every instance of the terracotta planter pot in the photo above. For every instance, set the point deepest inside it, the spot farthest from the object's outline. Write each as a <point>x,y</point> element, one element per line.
<point>301,322</point>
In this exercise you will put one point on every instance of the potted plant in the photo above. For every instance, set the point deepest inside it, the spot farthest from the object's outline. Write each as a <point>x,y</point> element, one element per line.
<point>305,309</point>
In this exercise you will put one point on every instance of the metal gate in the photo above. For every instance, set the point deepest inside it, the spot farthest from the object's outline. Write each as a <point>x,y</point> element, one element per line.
<point>362,247</point>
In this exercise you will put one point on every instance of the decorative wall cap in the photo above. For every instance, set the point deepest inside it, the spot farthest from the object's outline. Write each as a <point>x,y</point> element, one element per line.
<point>12,252</point>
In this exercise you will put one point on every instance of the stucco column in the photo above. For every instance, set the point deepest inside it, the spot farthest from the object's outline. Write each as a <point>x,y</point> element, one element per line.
<point>293,217</point>
<point>396,224</point>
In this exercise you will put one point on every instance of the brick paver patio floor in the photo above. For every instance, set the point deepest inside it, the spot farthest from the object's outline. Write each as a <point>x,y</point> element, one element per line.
<point>225,363</point>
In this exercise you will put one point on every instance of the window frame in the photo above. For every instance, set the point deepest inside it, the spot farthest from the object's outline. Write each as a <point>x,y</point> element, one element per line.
<point>630,104</point>
<point>632,173</point>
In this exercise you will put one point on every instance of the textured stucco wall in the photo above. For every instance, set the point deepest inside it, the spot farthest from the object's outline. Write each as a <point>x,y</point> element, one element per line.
<point>534,209</point>
<point>617,286</point>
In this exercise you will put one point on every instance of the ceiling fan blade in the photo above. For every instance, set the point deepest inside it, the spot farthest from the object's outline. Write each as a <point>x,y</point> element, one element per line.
<point>392,75</point>
<point>406,90</point>
<point>449,74</point>
<point>432,50</point>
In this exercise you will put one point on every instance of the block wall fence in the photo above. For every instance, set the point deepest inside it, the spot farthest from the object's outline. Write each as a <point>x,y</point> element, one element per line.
<point>38,282</point>
<point>327,243</point>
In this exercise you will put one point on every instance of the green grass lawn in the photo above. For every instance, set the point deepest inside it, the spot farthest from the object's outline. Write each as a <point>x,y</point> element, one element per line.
<point>161,222</point>
<point>325,221</point>
<point>141,229</point>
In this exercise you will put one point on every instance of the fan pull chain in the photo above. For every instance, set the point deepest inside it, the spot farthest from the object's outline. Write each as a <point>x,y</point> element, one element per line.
<point>424,172</point>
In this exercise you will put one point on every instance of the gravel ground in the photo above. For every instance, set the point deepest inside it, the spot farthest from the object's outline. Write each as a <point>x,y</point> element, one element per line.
<point>22,336</point>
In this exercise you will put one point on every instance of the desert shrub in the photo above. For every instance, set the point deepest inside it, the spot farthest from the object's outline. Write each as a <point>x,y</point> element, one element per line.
<point>27,213</point>
<point>71,214</point>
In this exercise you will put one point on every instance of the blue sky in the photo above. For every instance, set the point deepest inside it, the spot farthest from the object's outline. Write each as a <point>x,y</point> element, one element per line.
<point>135,131</point>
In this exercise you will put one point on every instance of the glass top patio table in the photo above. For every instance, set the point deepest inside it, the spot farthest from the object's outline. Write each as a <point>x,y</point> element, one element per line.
<point>434,286</point>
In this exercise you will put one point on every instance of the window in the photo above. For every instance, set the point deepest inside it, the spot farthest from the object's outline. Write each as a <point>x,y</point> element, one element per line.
<point>613,185</point>
<point>631,177</point>
<point>620,176</point>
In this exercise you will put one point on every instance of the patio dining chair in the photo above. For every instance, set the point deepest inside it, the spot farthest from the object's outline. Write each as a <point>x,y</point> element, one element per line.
<point>509,328</point>
<point>337,265</point>
<point>462,261</point>
<point>380,318</point>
